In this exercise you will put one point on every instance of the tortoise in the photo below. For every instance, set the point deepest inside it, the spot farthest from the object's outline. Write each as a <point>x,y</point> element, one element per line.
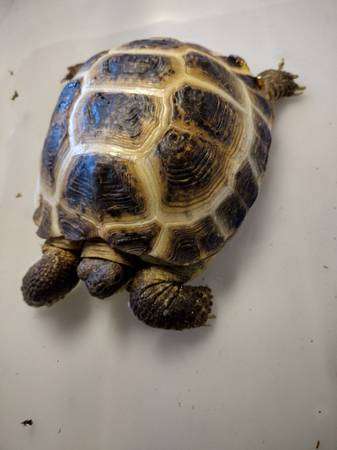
<point>154,155</point>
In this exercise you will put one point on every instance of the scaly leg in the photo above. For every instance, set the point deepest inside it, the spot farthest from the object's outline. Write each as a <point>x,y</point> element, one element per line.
<point>275,84</point>
<point>54,275</point>
<point>159,298</point>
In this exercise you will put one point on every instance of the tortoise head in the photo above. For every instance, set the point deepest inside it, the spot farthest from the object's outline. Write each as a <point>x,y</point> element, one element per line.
<point>238,62</point>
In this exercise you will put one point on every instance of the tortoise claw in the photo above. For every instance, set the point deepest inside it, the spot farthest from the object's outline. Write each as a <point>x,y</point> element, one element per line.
<point>281,64</point>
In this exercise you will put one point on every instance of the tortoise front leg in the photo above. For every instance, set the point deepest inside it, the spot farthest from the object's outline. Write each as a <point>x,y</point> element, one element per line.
<point>159,298</point>
<point>54,275</point>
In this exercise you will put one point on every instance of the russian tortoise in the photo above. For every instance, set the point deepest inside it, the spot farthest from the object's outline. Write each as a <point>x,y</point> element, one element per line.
<point>154,154</point>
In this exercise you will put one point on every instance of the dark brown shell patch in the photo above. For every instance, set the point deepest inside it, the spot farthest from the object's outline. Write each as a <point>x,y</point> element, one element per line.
<point>245,184</point>
<point>74,226</point>
<point>250,81</point>
<point>134,69</point>
<point>42,218</point>
<point>138,241</point>
<point>91,61</point>
<point>231,212</point>
<point>263,105</point>
<point>201,65</point>
<point>208,111</point>
<point>262,129</point>
<point>260,153</point>
<point>101,184</point>
<point>187,244</point>
<point>116,118</point>
<point>81,67</point>
<point>58,130</point>
<point>164,43</point>
<point>189,166</point>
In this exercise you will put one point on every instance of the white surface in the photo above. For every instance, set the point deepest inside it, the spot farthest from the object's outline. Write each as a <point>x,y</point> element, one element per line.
<point>264,375</point>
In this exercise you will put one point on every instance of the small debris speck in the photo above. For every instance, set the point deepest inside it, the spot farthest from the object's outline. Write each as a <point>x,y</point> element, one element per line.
<point>11,72</point>
<point>15,95</point>
<point>193,407</point>
<point>320,412</point>
<point>180,404</point>
<point>318,444</point>
<point>59,430</point>
<point>325,267</point>
<point>27,423</point>
<point>311,341</point>
<point>18,195</point>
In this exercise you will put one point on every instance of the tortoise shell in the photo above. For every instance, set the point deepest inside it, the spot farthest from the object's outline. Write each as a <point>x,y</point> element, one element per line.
<point>157,147</point>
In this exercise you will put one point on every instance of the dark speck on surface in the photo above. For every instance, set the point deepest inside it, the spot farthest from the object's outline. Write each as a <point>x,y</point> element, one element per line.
<point>15,95</point>
<point>11,72</point>
<point>18,195</point>
<point>27,422</point>
<point>325,267</point>
<point>318,444</point>
<point>311,341</point>
<point>59,430</point>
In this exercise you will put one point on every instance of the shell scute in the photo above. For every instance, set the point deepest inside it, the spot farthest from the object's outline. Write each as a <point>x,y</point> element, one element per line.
<point>204,67</point>
<point>190,167</point>
<point>260,153</point>
<point>231,212</point>
<point>164,43</point>
<point>246,185</point>
<point>74,226</point>
<point>129,68</point>
<point>116,118</point>
<point>136,240</point>
<point>189,243</point>
<point>208,111</point>
<point>42,218</point>
<point>262,129</point>
<point>102,185</point>
<point>57,137</point>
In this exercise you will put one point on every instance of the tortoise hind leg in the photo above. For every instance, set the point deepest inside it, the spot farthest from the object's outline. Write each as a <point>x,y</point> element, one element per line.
<point>159,298</point>
<point>53,276</point>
